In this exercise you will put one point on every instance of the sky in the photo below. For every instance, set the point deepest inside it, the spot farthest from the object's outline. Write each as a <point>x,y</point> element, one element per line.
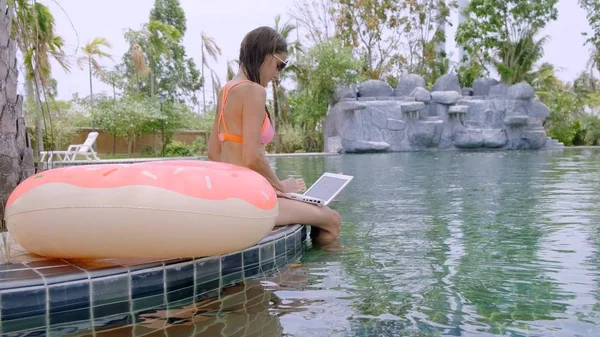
<point>227,21</point>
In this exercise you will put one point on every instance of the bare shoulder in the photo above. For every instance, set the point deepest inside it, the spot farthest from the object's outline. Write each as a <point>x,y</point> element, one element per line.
<point>252,88</point>
<point>254,93</point>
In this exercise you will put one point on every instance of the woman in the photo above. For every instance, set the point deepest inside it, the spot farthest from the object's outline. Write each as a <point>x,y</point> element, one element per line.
<point>243,126</point>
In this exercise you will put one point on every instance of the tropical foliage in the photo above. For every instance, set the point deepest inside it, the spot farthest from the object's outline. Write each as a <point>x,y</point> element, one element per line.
<point>156,87</point>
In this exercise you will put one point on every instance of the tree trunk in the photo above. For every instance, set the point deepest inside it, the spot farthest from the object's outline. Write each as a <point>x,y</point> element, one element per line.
<point>203,78</point>
<point>92,96</point>
<point>35,104</point>
<point>16,155</point>
<point>91,88</point>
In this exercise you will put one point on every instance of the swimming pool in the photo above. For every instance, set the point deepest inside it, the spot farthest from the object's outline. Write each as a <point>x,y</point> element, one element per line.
<point>453,243</point>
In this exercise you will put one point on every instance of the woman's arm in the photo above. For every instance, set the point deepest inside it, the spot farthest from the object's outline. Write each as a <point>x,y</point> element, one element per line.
<point>214,145</point>
<point>252,119</point>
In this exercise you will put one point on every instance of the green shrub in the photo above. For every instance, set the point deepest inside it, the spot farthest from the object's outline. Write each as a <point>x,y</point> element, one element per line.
<point>178,149</point>
<point>199,146</point>
<point>592,130</point>
<point>291,139</point>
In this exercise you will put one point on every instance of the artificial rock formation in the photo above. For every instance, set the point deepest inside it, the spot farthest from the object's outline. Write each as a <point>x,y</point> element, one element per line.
<point>375,117</point>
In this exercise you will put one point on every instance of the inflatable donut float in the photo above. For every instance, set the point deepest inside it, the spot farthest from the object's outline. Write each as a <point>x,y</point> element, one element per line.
<point>165,209</point>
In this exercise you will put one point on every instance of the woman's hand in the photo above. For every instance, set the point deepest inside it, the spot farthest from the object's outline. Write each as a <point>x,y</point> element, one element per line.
<point>293,185</point>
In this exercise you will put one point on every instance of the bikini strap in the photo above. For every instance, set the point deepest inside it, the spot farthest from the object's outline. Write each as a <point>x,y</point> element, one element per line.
<point>225,93</point>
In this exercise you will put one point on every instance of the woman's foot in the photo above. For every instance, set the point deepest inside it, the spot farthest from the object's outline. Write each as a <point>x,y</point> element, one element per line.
<point>330,229</point>
<point>323,237</point>
<point>326,242</point>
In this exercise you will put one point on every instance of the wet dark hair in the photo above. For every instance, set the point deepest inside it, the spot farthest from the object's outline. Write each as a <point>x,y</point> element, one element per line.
<point>256,45</point>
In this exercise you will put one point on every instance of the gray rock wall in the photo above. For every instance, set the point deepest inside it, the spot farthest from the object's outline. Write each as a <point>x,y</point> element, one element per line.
<point>375,117</point>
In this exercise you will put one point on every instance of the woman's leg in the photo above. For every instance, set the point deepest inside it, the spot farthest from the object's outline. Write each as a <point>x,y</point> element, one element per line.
<point>325,221</point>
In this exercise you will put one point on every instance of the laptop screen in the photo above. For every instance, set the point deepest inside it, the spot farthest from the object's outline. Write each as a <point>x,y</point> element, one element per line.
<point>326,188</point>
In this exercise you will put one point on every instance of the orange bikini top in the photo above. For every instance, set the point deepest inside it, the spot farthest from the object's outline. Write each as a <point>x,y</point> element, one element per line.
<point>267,131</point>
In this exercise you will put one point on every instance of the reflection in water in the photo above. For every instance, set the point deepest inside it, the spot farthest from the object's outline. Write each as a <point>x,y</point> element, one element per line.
<point>465,243</point>
<point>253,308</point>
<point>433,244</point>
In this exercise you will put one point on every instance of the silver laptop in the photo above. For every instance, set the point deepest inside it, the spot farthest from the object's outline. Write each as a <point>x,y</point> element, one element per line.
<point>323,191</point>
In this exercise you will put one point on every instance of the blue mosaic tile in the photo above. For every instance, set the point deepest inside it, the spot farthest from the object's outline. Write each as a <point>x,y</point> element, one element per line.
<point>267,257</point>
<point>47,263</point>
<point>267,252</point>
<point>23,303</point>
<point>150,265</point>
<point>96,270</point>
<point>208,277</point>
<point>290,244</point>
<point>281,261</point>
<point>280,253</point>
<point>207,287</point>
<point>208,269</point>
<point>180,283</point>
<point>110,296</point>
<point>19,278</point>
<point>61,274</point>
<point>147,289</point>
<point>69,302</point>
<point>23,309</point>
<point>280,247</point>
<point>111,309</point>
<point>12,266</point>
<point>34,326</point>
<point>251,262</point>
<point>231,269</point>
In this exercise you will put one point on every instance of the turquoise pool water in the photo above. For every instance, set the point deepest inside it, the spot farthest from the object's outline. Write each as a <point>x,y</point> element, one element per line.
<point>433,244</point>
<point>453,244</point>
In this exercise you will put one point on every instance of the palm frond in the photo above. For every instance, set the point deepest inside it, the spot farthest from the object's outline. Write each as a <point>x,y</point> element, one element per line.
<point>139,60</point>
<point>209,46</point>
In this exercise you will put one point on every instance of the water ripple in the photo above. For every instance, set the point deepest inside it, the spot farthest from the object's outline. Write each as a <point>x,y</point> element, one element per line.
<point>461,244</point>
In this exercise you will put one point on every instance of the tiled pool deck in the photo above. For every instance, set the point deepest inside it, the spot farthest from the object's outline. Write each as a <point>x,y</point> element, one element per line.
<point>40,296</point>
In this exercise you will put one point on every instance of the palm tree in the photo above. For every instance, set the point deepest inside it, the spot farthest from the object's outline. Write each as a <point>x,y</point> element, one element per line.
<point>284,30</point>
<point>230,72</point>
<point>216,84</point>
<point>17,161</point>
<point>519,54</point>
<point>593,64</point>
<point>544,80</point>
<point>155,37</point>
<point>210,47</point>
<point>91,55</point>
<point>34,30</point>
<point>147,46</point>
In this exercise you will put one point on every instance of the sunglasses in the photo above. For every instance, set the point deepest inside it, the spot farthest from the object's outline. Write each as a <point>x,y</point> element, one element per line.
<point>281,65</point>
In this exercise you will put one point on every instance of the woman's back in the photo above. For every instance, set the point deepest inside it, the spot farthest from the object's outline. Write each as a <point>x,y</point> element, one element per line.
<point>230,123</point>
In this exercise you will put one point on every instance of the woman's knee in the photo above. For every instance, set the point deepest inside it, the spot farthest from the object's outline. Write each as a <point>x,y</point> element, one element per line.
<point>333,218</point>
